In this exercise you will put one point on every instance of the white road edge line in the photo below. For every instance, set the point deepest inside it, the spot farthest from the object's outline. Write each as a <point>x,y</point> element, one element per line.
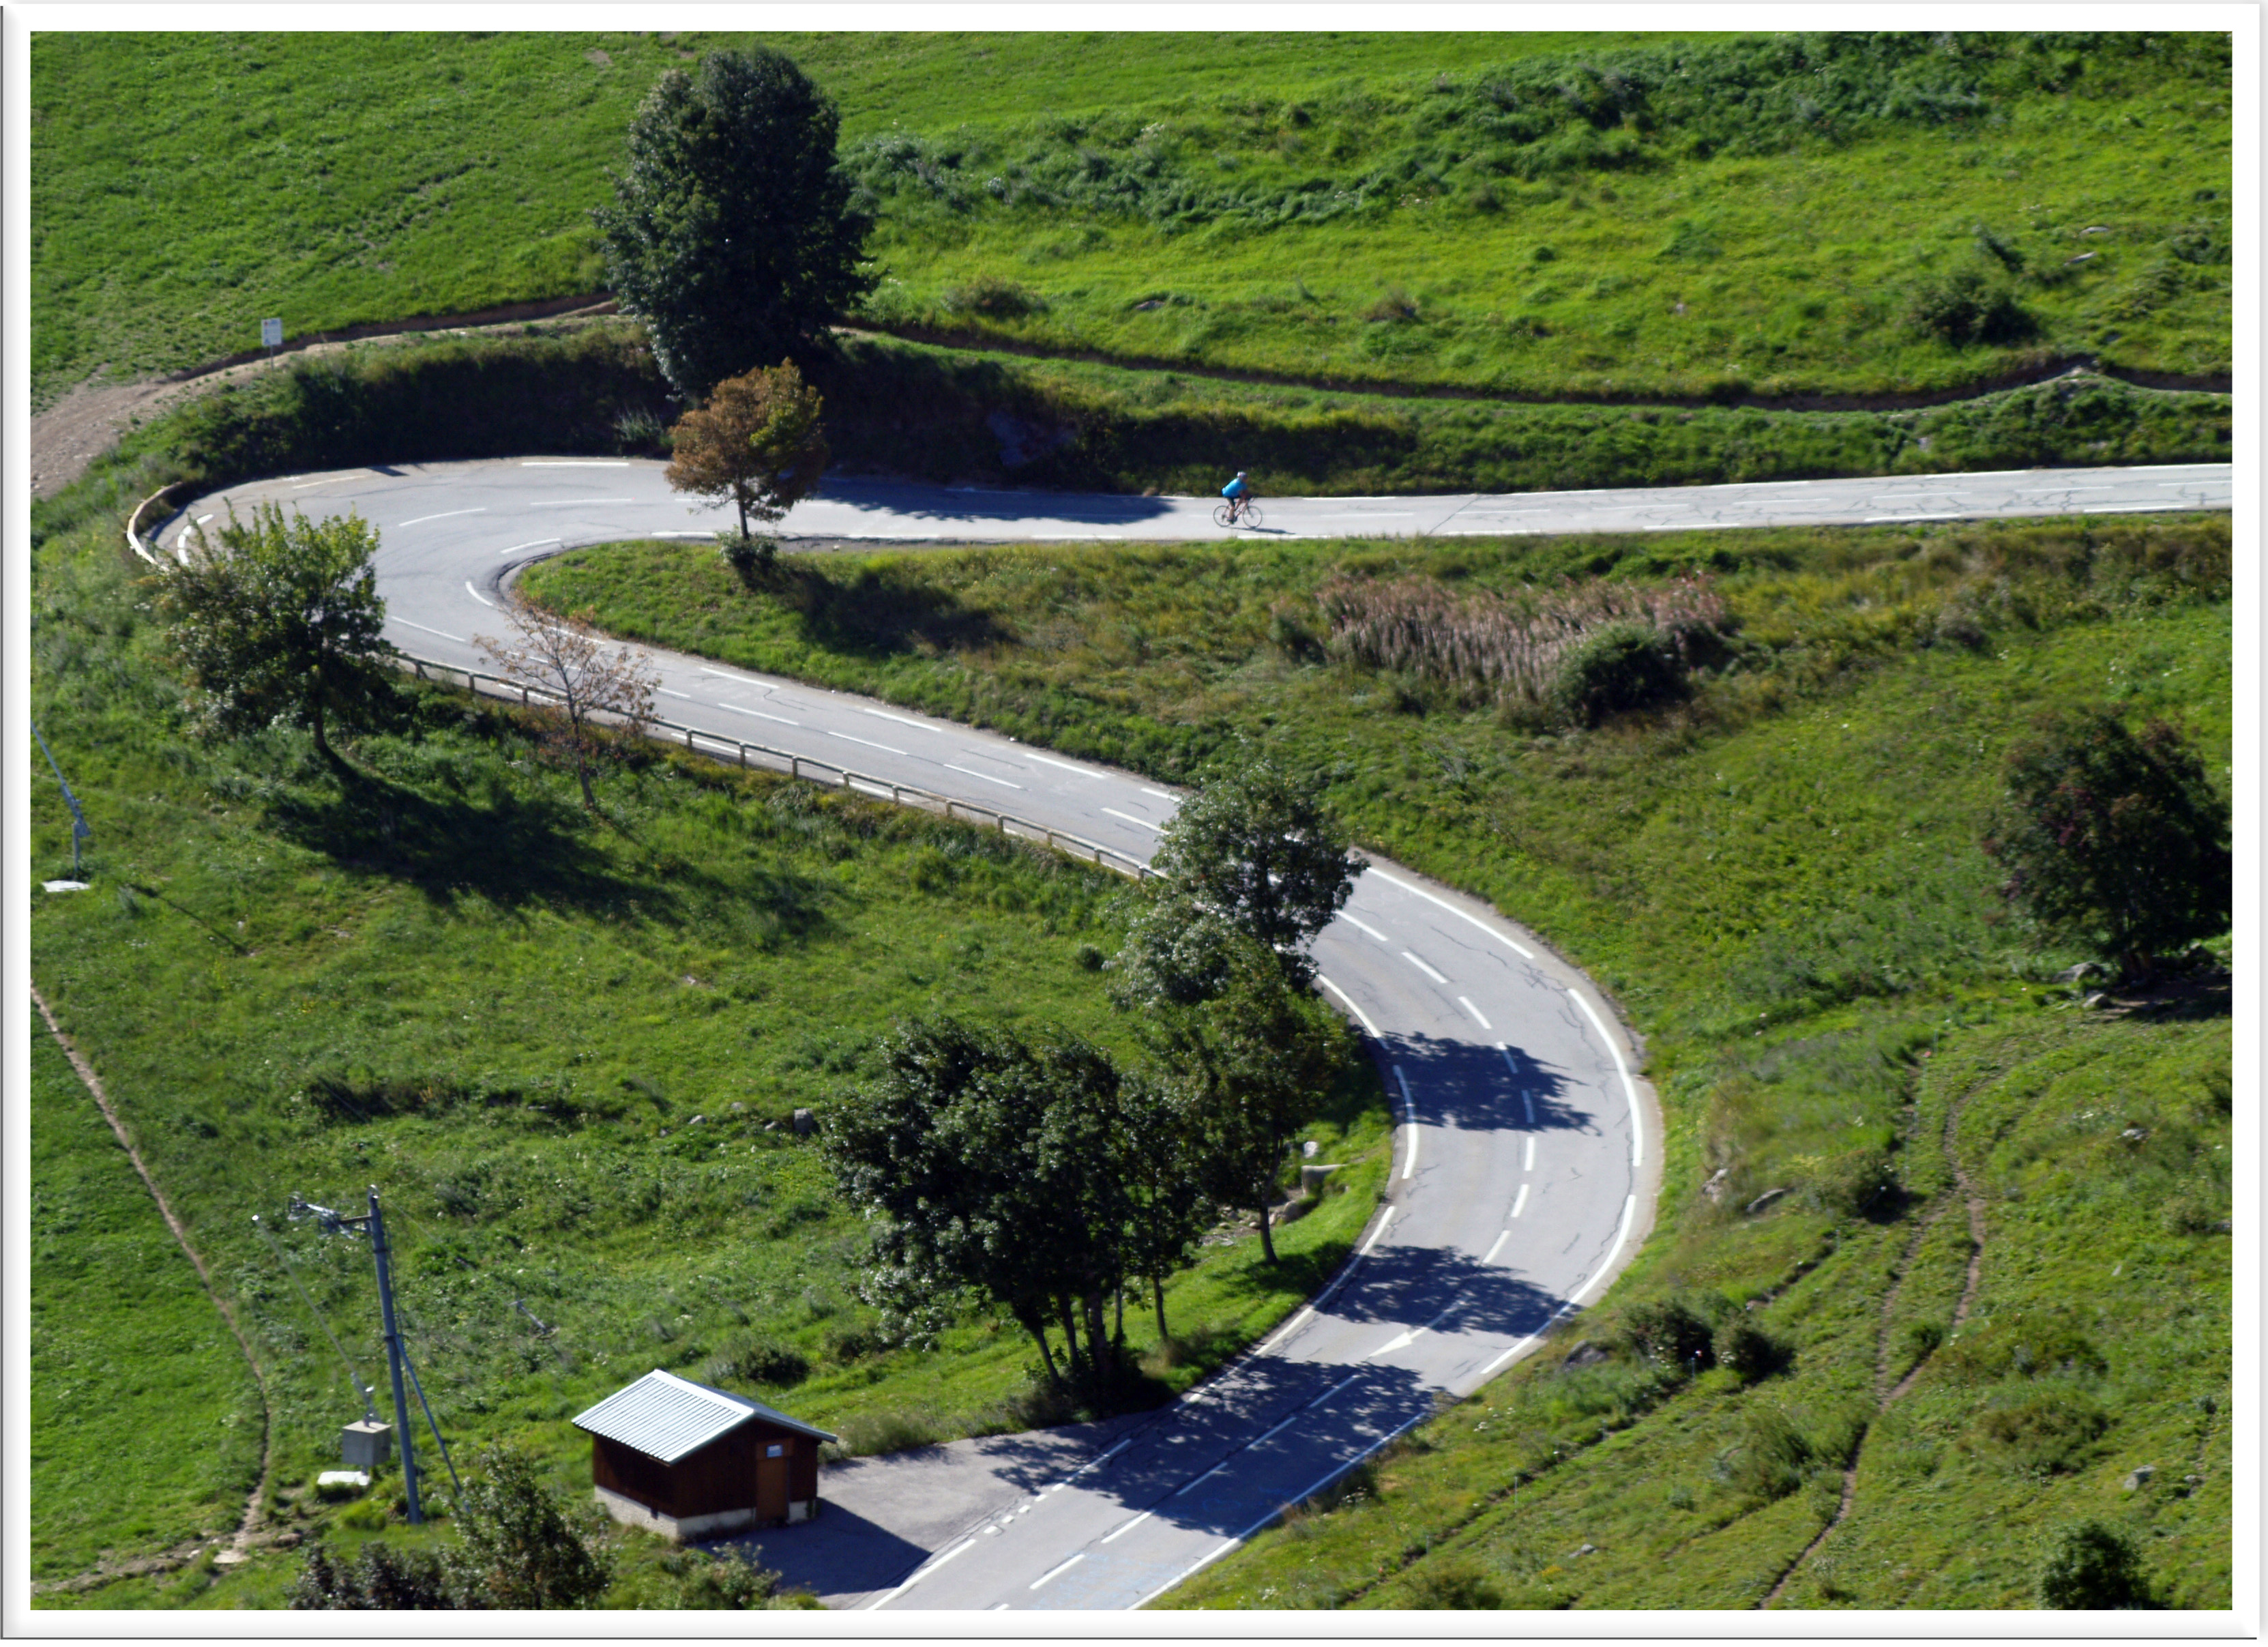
<point>1466,1002</point>
<point>1360,1014</point>
<point>1525,955</point>
<point>1630,1089</point>
<point>1629,1211</point>
<point>760,714</point>
<point>444,634</point>
<point>533,542</point>
<point>1334,1473</point>
<point>476,594</point>
<point>1053,1572</point>
<point>573,462</point>
<point>913,1579</point>
<point>1497,1244</point>
<point>1374,1234</point>
<point>1361,925</point>
<point>445,514</point>
<point>576,503</point>
<point>1102,1458</point>
<point>1409,1117</point>
<point>1066,765</point>
<point>1286,1331</point>
<point>1530,1167</point>
<point>881,714</point>
<point>1161,795</point>
<point>674,692</point>
<point>967,771</point>
<point>1137,823</point>
<point>1422,967</point>
<point>847,738</point>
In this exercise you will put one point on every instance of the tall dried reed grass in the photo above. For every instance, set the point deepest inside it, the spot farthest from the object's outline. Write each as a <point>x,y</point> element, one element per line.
<point>1509,648</point>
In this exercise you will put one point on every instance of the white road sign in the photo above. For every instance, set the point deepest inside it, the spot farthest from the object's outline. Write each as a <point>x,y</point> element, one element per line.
<point>271,333</point>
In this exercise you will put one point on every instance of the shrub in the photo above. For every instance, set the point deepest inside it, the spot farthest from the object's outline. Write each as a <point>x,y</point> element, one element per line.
<point>2043,1431</point>
<point>1453,1583</point>
<point>761,1360</point>
<point>2090,1566</point>
<point>993,298</point>
<point>1669,1334</point>
<point>1970,305</point>
<point>2114,837</point>
<point>377,1578</point>
<point>1622,668</point>
<point>1746,1349</point>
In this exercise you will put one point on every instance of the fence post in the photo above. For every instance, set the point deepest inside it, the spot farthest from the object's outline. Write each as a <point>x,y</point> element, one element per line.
<point>794,767</point>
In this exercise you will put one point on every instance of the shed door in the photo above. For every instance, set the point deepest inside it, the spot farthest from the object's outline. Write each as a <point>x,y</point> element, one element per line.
<point>771,1483</point>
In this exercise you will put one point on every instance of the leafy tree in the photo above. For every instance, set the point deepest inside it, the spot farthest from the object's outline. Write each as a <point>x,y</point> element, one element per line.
<point>1252,1061</point>
<point>1177,953</point>
<point>758,441</point>
<point>516,1547</point>
<point>2114,838</point>
<point>2091,1566</point>
<point>280,620</point>
<point>584,679</point>
<point>999,1167</point>
<point>731,232</point>
<point>1159,1156</point>
<point>1255,846</point>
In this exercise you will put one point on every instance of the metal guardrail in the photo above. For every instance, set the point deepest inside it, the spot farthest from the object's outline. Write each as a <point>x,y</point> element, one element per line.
<point>134,524</point>
<point>805,766</point>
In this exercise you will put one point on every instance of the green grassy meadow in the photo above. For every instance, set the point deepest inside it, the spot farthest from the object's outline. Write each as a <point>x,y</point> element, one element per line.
<point>565,1048</point>
<point>1778,879</point>
<point>1521,214</point>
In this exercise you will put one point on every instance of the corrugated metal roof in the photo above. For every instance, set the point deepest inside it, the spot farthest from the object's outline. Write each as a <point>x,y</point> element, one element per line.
<point>666,1417</point>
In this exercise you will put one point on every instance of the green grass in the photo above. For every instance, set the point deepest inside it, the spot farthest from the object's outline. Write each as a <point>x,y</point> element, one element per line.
<point>554,1042</point>
<point>1525,214</point>
<point>1779,881</point>
<point>125,1342</point>
<point>2092,1301</point>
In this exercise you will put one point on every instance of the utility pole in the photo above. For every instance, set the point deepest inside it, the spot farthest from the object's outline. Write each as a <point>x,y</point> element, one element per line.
<point>374,1223</point>
<point>79,830</point>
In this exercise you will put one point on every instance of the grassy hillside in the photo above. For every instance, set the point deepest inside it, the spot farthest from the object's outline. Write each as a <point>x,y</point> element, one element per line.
<point>565,1048</point>
<point>1778,878</point>
<point>1526,213</point>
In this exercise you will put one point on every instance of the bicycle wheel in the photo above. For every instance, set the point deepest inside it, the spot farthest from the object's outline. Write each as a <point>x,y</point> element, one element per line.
<point>1250,516</point>
<point>1222,515</point>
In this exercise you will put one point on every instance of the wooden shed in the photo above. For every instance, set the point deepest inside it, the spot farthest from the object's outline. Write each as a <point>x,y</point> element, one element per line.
<point>686,1461</point>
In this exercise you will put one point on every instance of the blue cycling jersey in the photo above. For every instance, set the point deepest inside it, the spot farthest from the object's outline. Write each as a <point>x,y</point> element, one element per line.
<point>1234,489</point>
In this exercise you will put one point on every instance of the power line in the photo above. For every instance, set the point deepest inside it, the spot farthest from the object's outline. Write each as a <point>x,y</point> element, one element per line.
<point>369,1411</point>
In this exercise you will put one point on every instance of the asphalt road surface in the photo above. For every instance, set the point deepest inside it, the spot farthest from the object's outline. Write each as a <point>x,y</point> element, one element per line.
<point>1528,1156</point>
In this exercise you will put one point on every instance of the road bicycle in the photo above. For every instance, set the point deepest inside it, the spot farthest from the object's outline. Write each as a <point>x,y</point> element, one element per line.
<point>1224,515</point>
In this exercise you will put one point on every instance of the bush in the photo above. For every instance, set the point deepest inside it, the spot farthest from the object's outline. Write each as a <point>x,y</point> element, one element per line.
<point>377,1578</point>
<point>2113,838</point>
<point>2089,1566</point>
<point>761,1360</point>
<point>1746,1349</point>
<point>993,298</point>
<point>2043,1431</point>
<point>1970,305</point>
<point>1623,667</point>
<point>1668,1334</point>
<point>1453,1583</point>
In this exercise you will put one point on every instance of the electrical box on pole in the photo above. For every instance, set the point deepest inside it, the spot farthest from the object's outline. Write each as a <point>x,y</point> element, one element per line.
<point>367,1435</point>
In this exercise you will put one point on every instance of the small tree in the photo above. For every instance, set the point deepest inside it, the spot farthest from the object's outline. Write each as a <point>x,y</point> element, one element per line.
<point>758,441</point>
<point>1255,846</point>
<point>279,621</point>
<point>731,232</point>
<point>1252,1061</point>
<point>516,1547</point>
<point>2092,1567</point>
<point>584,677</point>
<point>2114,840</point>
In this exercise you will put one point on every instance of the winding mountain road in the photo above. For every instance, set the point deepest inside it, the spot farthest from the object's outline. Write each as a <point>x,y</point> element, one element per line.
<point>1528,1157</point>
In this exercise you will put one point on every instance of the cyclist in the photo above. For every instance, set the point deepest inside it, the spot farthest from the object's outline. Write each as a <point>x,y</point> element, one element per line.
<point>1238,493</point>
